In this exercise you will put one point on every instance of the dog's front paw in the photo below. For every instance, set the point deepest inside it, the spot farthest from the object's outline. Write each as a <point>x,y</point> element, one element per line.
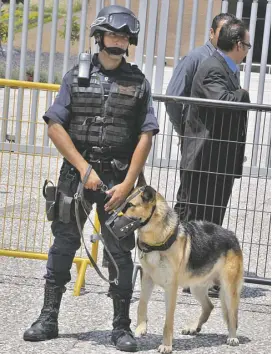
<point>141,330</point>
<point>191,330</point>
<point>233,341</point>
<point>165,348</point>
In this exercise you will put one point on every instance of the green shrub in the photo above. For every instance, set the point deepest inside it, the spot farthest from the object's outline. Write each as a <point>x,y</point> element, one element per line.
<point>58,79</point>
<point>75,32</point>
<point>3,31</point>
<point>43,77</point>
<point>2,72</point>
<point>77,6</point>
<point>15,74</point>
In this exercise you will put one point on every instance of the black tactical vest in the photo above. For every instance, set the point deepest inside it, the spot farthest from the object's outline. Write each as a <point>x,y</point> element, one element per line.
<point>107,122</point>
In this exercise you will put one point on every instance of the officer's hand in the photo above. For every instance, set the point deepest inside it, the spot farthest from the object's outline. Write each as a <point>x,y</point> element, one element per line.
<point>93,181</point>
<point>118,194</point>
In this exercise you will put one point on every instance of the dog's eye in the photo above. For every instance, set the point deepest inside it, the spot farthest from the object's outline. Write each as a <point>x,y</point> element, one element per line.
<point>129,205</point>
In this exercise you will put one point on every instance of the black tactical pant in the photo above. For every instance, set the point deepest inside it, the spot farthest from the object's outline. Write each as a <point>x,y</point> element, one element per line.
<point>67,241</point>
<point>203,196</point>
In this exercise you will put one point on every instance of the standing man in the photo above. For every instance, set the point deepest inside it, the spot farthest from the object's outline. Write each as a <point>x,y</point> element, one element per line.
<point>108,123</point>
<point>181,85</point>
<point>214,138</point>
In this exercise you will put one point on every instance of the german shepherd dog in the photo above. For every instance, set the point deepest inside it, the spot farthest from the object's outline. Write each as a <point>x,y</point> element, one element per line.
<point>191,254</point>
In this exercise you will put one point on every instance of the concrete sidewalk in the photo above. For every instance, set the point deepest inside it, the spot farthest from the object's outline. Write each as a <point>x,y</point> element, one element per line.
<point>85,321</point>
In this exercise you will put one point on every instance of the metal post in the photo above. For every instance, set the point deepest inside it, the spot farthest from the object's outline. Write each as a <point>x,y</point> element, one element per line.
<point>151,39</point>
<point>12,8</point>
<point>252,27</point>
<point>112,2</point>
<point>225,6</point>
<point>51,71</point>
<point>265,45</point>
<point>83,25</point>
<point>193,25</point>
<point>160,62</point>
<point>239,9</point>
<point>139,52</point>
<point>178,31</point>
<point>128,4</point>
<point>99,5</point>
<point>52,47</point>
<point>266,37</point>
<point>68,31</point>
<point>208,20</point>
<point>22,73</point>
<point>37,68</point>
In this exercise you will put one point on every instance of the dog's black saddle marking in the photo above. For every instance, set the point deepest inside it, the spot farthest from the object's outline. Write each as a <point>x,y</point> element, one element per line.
<point>208,242</point>
<point>146,248</point>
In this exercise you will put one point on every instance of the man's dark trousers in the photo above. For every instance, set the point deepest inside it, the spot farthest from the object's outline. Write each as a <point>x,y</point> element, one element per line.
<point>207,200</point>
<point>67,242</point>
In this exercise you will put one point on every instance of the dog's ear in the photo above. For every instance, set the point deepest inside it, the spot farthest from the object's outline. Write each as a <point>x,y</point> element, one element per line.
<point>141,180</point>
<point>148,195</point>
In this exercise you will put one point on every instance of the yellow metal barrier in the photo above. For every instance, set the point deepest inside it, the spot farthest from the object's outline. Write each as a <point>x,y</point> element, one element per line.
<point>23,224</point>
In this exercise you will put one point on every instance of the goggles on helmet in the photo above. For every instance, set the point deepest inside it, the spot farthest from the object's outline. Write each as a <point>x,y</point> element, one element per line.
<point>119,22</point>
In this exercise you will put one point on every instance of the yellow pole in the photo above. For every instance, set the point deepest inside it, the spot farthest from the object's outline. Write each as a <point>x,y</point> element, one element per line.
<point>95,245</point>
<point>33,255</point>
<point>29,85</point>
<point>80,277</point>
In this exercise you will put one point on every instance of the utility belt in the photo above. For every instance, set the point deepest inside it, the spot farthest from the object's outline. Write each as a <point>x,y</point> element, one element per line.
<point>60,198</point>
<point>107,152</point>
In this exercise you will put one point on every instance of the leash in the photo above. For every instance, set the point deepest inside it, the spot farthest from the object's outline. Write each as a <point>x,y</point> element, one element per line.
<point>79,198</point>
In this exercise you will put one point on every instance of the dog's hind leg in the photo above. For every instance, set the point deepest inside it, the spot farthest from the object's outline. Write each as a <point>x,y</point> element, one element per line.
<point>147,286</point>
<point>231,285</point>
<point>201,295</point>
<point>230,302</point>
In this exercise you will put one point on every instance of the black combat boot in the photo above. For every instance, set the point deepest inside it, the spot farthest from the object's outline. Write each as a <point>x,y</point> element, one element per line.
<point>46,326</point>
<point>122,336</point>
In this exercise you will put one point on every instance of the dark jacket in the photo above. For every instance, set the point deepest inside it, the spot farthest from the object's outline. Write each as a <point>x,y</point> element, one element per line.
<point>215,137</point>
<point>181,82</point>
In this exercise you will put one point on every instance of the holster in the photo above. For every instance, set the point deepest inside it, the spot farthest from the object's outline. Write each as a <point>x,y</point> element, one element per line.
<point>67,186</point>
<point>50,195</point>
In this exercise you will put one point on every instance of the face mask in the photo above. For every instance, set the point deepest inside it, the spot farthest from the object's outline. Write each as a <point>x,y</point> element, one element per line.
<point>115,50</point>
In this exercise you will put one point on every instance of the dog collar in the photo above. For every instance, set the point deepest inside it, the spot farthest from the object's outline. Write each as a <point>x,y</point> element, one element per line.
<point>146,248</point>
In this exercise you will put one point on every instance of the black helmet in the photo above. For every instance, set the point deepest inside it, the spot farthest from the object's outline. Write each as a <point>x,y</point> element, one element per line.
<point>117,18</point>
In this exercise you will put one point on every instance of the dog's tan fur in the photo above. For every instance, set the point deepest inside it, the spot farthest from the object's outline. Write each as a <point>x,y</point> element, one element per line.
<point>168,269</point>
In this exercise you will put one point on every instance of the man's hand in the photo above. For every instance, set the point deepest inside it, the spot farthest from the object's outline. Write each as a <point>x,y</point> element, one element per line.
<point>118,194</point>
<point>93,181</point>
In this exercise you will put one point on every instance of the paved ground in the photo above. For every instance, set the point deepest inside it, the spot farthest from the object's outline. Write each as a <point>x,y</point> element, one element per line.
<point>85,321</point>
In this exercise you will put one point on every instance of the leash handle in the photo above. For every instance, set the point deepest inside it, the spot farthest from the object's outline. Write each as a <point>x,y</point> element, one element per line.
<point>87,174</point>
<point>79,197</point>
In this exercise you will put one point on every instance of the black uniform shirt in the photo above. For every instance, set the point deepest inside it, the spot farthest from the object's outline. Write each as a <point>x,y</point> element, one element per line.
<point>60,111</point>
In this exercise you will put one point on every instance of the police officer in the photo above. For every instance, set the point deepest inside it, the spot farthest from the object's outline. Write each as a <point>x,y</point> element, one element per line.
<point>107,123</point>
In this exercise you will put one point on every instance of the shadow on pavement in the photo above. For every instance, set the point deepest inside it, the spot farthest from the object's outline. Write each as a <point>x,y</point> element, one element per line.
<point>152,341</point>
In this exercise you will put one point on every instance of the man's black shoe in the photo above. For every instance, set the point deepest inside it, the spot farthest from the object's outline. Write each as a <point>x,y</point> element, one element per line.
<point>124,340</point>
<point>214,291</point>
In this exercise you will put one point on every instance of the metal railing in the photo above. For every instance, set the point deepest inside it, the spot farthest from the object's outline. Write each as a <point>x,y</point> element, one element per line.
<point>248,212</point>
<point>25,165</point>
